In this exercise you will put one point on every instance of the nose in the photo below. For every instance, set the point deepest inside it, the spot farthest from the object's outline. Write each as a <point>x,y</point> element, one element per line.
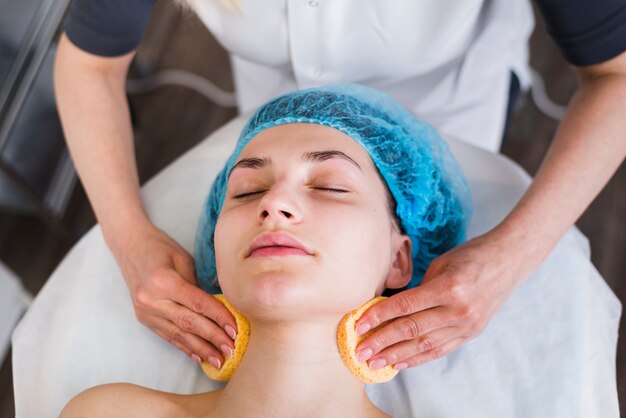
<point>277,205</point>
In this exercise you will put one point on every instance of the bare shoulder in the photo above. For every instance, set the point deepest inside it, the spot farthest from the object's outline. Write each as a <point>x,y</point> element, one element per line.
<point>121,399</point>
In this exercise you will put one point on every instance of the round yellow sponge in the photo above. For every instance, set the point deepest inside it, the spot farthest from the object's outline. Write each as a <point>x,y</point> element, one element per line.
<point>347,342</point>
<point>241,342</point>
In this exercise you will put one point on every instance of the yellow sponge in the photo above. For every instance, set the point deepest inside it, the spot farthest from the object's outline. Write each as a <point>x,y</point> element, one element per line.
<point>347,342</point>
<point>241,342</point>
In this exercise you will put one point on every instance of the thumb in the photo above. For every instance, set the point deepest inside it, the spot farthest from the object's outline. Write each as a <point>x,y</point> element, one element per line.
<point>436,267</point>
<point>184,265</point>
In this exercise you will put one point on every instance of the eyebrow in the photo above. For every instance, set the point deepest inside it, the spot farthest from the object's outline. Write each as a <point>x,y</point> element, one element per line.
<point>252,163</point>
<point>314,156</point>
<point>319,156</point>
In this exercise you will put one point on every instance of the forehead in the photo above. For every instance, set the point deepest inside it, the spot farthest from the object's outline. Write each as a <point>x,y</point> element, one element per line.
<point>293,139</point>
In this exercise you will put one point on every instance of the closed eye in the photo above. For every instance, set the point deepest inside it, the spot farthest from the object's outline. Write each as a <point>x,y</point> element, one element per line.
<point>330,189</point>
<point>244,195</point>
<point>325,189</point>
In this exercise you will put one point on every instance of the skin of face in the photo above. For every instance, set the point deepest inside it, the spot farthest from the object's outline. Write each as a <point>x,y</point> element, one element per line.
<point>293,181</point>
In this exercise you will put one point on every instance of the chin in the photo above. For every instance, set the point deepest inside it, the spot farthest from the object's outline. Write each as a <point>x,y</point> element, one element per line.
<point>289,292</point>
<point>271,295</point>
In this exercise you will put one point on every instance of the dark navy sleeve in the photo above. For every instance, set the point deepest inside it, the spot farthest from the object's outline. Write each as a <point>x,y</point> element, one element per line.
<point>107,27</point>
<point>586,31</point>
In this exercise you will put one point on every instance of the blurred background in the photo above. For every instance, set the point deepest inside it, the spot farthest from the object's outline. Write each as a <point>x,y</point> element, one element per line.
<point>44,210</point>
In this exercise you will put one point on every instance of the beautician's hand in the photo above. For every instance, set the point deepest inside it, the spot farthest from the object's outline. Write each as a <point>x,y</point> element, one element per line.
<point>459,294</point>
<point>160,275</point>
<point>464,287</point>
<point>159,272</point>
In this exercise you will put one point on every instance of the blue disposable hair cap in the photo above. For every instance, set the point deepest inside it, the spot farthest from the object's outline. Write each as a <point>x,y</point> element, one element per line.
<point>433,200</point>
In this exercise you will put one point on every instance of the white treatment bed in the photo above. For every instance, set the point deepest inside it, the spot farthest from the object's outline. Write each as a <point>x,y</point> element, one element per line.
<point>548,352</point>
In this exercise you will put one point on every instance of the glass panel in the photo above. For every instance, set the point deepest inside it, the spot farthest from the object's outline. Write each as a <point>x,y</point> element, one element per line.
<point>31,142</point>
<point>35,143</point>
<point>16,17</point>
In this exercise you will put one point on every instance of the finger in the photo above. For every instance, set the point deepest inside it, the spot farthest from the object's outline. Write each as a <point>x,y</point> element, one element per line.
<point>432,354</point>
<point>405,303</point>
<point>402,329</point>
<point>206,305</point>
<point>176,344</point>
<point>196,324</point>
<point>435,268</point>
<point>407,349</point>
<point>195,357</point>
<point>183,263</point>
<point>188,343</point>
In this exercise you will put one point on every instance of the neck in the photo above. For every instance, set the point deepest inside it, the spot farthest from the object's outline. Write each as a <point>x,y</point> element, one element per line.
<point>294,369</point>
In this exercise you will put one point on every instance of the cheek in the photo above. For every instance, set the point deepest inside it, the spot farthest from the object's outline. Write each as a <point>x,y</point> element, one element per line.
<point>221,245</point>
<point>359,252</point>
<point>229,232</point>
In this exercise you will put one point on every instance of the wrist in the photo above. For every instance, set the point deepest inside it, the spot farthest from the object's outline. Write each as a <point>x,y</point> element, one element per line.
<point>125,230</point>
<point>531,243</point>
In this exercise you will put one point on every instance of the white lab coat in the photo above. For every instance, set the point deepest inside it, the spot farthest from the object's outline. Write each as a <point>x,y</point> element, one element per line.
<point>448,61</point>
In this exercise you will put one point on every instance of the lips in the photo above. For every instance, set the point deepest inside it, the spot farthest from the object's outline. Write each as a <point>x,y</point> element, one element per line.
<point>278,240</point>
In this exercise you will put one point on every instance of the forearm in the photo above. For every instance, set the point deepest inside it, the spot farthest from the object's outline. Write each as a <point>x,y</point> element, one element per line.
<point>96,122</point>
<point>587,149</point>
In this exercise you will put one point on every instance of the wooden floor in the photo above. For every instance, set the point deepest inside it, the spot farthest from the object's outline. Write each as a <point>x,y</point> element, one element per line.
<point>172,119</point>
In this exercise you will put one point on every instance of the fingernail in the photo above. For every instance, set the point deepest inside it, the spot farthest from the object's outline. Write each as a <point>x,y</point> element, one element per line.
<point>215,362</point>
<point>196,358</point>
<point>226,350</point>
<point>230,331</point>
<point>364,354</point>
<point>362,329</point>
<point>379,363</point>
<point>400,366</point>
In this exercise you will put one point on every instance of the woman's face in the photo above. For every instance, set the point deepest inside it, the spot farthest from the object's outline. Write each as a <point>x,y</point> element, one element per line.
<point>305,226</point>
